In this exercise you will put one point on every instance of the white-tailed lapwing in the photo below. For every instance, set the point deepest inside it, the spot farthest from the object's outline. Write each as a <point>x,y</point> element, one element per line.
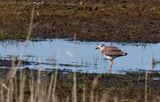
<point>110,53</point>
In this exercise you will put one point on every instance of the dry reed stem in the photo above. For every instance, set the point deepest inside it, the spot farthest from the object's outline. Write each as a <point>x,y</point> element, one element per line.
<point>48,95</point>
<point>1,94</point>
<point>22,86</point>
<point>54,87</point>
<point>115,99</point>
<point>54,98</point>
<point>84,94</point>
<point>16,90</point>
<point>74,90</point>
<point>38,82</point>
<point>67,99</point>
<point>14,68</point>
<point>96,98</point>
<point>31,85</point>
<point>94,83</point>
<point>146,86</point>
<point>105,97</point>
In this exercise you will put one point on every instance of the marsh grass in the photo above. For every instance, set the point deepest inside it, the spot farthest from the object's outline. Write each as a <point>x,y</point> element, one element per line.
<point>4,36</point>
<point>101,21</point>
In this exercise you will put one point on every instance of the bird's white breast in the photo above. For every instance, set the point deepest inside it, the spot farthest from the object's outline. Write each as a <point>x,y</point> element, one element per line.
<point>108,57</point>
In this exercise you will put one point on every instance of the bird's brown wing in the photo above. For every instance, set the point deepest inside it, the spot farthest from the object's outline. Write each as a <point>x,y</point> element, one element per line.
<point>112,51</point>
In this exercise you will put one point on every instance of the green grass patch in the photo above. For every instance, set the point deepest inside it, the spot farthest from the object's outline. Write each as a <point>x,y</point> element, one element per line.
<point>4,36</point>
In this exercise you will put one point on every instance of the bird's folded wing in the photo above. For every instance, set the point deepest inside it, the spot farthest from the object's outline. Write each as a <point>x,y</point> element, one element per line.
<point>112,51</point>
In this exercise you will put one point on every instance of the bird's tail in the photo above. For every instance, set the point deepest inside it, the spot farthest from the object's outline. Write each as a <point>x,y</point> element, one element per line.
<point>124,54</point>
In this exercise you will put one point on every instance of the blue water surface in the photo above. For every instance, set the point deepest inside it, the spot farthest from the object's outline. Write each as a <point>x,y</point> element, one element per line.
<point>63,54</point>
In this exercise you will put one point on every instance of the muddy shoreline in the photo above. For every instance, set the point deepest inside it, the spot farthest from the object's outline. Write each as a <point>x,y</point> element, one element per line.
<point>126,87</point>
<point>10,63</point>
<point>129,87</point>
<point>116,21</point>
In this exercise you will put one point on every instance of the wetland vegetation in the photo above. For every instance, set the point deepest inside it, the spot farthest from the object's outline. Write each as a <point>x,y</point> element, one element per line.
<point>96,20</point>
<point>126,21</point>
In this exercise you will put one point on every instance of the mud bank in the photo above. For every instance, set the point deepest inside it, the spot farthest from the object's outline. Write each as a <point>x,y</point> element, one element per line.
<point>118,21</point>
<point>129,87</point>
<point>10,63</point>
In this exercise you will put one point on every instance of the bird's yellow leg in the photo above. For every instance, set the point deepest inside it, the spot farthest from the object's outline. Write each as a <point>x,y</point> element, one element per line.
<point>110,67</point>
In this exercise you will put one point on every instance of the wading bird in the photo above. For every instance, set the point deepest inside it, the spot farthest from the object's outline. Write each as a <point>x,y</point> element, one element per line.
<point>110,53</point>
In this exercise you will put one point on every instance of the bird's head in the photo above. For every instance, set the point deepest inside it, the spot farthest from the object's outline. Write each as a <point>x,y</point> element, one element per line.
<point>100,46</point>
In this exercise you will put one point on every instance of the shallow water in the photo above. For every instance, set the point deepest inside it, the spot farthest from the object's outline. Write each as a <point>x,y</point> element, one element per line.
<point>81,56</point>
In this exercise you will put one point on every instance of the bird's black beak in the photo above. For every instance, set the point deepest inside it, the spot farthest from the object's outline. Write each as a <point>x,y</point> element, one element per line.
<point>97,47</point>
